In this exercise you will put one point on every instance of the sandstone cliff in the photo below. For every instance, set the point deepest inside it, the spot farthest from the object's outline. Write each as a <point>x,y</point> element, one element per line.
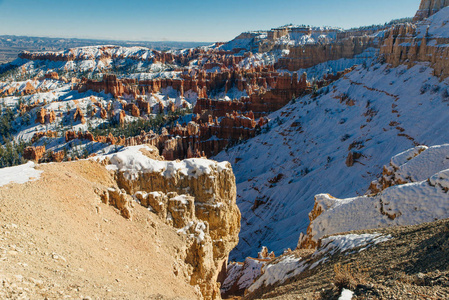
<point>195,196</point>
<point>307,56</point>
<point>428,8</point>
<point>421,42</point>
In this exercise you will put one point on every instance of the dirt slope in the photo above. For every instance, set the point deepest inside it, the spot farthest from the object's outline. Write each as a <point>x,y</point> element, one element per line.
<point>58,240</point>
<point>412,265</point>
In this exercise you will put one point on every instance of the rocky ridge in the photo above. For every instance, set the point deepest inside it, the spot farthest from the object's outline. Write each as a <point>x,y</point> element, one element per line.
<point>195,196</point>
<point>411,191</point>
<point>192,201</point>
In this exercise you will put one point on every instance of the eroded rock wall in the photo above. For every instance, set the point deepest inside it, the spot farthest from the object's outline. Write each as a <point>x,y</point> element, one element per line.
<point>196,196</point>
<point>409,44</point>
<point>307,56</point>
<point>428,8</point>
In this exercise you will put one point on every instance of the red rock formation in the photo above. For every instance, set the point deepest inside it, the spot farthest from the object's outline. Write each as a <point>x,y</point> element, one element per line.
<point>34,153</point>
<point>29,89</point>
<point>57,156</point>
<point>121,117</point>
<point>79,116</point>
<point>133,109</point>
<point>39,135</point>
<point>40,116</point>
<point>161,107</point>
<point>103,113</point>
<point>52,75</point>
<point>144,106</point>
<point>72,135</point>
<point>171,107</point>
<point>50,117</point>
<point>88,136</point>
<point>207,135</point>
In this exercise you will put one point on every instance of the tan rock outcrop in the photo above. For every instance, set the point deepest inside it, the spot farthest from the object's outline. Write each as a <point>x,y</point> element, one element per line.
<point>403,45</point>
<point>119,199</point>
<point>200,202</point>
<point>40,116</point>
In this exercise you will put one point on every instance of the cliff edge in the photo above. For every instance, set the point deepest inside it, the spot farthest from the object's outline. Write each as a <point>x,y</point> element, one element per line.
<point>73,230</point>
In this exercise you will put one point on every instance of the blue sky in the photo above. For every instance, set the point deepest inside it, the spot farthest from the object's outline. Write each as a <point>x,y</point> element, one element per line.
<point>183,20</point>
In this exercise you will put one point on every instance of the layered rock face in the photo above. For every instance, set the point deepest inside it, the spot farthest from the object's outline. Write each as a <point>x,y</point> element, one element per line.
<point>428,8</point>
<point>266,94</point>
<point>196,196</point>
<point>421,42</point>
<point>306,56</point>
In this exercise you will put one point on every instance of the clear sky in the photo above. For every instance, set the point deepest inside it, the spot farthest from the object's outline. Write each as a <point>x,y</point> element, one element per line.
<point>187,20</point>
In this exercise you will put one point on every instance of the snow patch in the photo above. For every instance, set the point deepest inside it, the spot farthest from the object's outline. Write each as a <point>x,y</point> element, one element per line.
<point>287,267</point>
<point>19,174</point>
<point>342,243</point>
<point>346,295</point>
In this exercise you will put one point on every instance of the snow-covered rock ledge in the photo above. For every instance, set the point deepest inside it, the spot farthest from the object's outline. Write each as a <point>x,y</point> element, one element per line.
<point>420,196</point>
<point>131,161</point>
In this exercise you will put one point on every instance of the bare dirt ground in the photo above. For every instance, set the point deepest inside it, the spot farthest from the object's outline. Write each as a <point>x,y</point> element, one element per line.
<point>412,265</point>
<point>58,241</point>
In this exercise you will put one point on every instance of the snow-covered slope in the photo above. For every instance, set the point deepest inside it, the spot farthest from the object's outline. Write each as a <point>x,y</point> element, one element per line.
<point>363,119</point>
<point>425,199</point>
<point>436,26</point>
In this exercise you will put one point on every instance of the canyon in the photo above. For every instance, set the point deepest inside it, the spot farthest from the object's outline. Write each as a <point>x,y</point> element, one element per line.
<point>235,169</point>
